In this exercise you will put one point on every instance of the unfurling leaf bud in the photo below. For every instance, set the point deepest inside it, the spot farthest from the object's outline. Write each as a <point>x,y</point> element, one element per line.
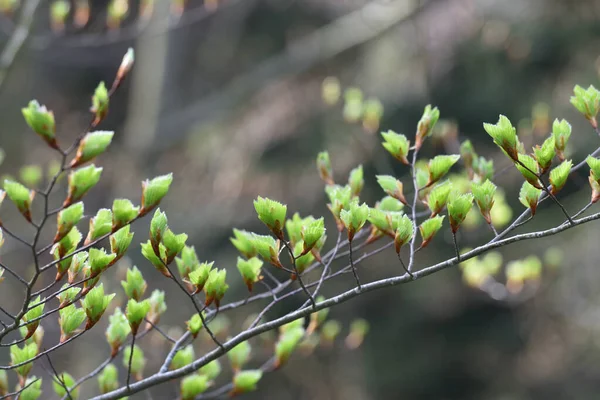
<point>174,244</point>
<point>199,276</point>
<point>36,309</point>
<point>529,196</point>
<point>324,167</point>
<point>303,259</point>
<point>371,114</point>
<point>192,386</point>
<point>194,325</point>
<point>138,361</point>
<point>31,175</point>
<point>587,102</point>
<point>438,197</point>
<point>215,287</point>
<point>404,232</point>
<point>354,218</point>
<point>126,65</point>
<point>429,228</point>
<point>94,304</point>
<point>134,286</point>
<point>426,124</point>
<point>356,180</point>
<point>559,175</point>
<point>158,225</point>
<point>21,196</point>
<point>246,381</point>
<point>188,262</point>
<point>397,145</point>
<point>41,121</point>
<point>70,319</point>
<point>267,248</point>
<point>99,261</point>
<point>458,208</point>
<point>358,330</point>
<point>561,131</point>
<point>272,214</point>
<point>286,344</point>
<point>65,380</point>
<point>468,156</point>
<point>158,306</point>
<point>529,169</point>
<point>108,380</point>
<point>123,212</point>
<point>100,101</point>
<point>20,355</point>
<point>67,218</point>
<point>211,370</point>
<point>100,225</point>
<point>120,241</point>
<point>136,312</point>
<point>66,245</point>
<point>239,355</point>
<point>81,181</point>
<point>67,296</point>
<point>153,191</point>
<point>439,166</point>
<point>484,197</point>
<point>331,329</point>
<point>504,135</point>
<point>242,241</point>
<point>594,178</point>
<point>340,198</point>
<point>92,145</point>
<point>311,233</point>
<point>392,186</point>
<point>250,270</point>
<point>117,331</point>
<point>353,104</point>
<point>148,253</point>
<point>30,389</point>
<point>545,153</point>
<point>3,383</point>
<point>183,357</point>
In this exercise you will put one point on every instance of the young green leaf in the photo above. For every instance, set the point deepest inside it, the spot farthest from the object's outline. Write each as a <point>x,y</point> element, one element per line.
<point>99,260</point>
<point>529,169</point>
<point>117,331</point>
<point>438,197</point>
<point>324,167</point>
<point>242,241</point>
<point>561,131</point>
<point>268,248</point>
<point>123,212</point>
<point>174,244</point>
<point>108,380</point>
<point>484,197</point>
<point>41,121</point>
<point>311,233</point>
<point>192,386</point>
<point>429,228</point>
<point>67,218</point>
<point>194,325</point>
<point>426,124</point>
<point>21,196</point>
<point>81,181</point>
<point>504,135</point>
<point>404,232</point>
<point>392,187</point>
<point>559,175</point>
<point>199,276</point>
<point>92,145</point>
<point>138,361</point>
<point>545,153</point>
<point>120,241</point>
<point>587,102</point>
<point>67,296</point>
<point>188,262</point>
<point>246,381</point>
<point>100,225</point>
<point>134,284</point>
<point>439,166</point>
<point>183,357</point>
<point>397,145</point>
<point>65,380</point>
<point>239,355</point>
<point>529,196</point>
<point>286,344</point>
<point>272,214</point>
<point>211,370</point>
<point>30,389</point>
<point>250,270</point>
<point>458,208</point>
<point>153,191</point>
<point>354,218</point>
<point>136,312</point>
<point>94,304</point>
<point>36,309</point>
<point>215,287</point>
<point>148,253</point>
<point>100,101</point>
<point>158,226</point>
<point>70,318</point>
<point>158,306</point>
<point>356,180</point>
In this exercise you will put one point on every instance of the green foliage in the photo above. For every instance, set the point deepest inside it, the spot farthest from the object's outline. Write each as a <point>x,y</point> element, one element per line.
<point>21,196</point>
<point>32,389</point>
<point>100,225</point>
<point>529,195</point>
<point>242,241</point>
<point>95,303</point>
<point>215,286</point>
<point>354,218</point>
<point>504,135</point>
<point>123,212</point>
<point>545,153</point>
<point>439,166</point>
<point>20,355</point>
<point>81,181</point>
<point>192,386</point>
<point>199,276</point>
<point>100,101</point>
<point>136,312</point>
<point>438,197</point>
<point>70,319</point>
<point>458,208</point>
<point>559,175</point>
<point>108,379</point>
<point>239,355</point>
<point>153,191</point>
<point>392,186</point>
<point>397,145</point>
<point>528,167</point>
<point>65,380</point>
<point>272,214</point>
<point>183,357</point>
<point>324,167</point>
<point>426,124</point>
<point>138,361</point>
<point>91,146</point>
<point>561,131</point>
<point>67,218</point>
<point>117,331</point>
<point>41,121</point>
<point>250,270</point>
<point>286,344</point>
<point>484,197</point>
<point>246,381</point>
<point>587,102</point>
<point>429,228</point>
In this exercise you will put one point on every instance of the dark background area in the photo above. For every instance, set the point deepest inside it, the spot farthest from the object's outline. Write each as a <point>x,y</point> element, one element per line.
<point>229,100</point>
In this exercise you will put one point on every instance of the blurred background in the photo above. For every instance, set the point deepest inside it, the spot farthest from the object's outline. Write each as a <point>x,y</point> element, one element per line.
<point>229,96</point>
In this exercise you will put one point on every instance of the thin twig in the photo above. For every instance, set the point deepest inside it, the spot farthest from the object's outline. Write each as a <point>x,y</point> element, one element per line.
<point>58,378</point>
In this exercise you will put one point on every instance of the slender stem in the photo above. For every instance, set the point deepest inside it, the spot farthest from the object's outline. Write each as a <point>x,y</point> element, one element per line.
<point>354,272</point>
<point>130,361</point>
<point>404,266</point>
<point>411,259</point>
<point>58,378</point>
<point>291,252</point>
<point>456,246</point>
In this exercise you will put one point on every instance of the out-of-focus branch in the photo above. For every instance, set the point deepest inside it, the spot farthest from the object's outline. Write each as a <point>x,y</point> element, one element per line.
<point>18,38</point>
